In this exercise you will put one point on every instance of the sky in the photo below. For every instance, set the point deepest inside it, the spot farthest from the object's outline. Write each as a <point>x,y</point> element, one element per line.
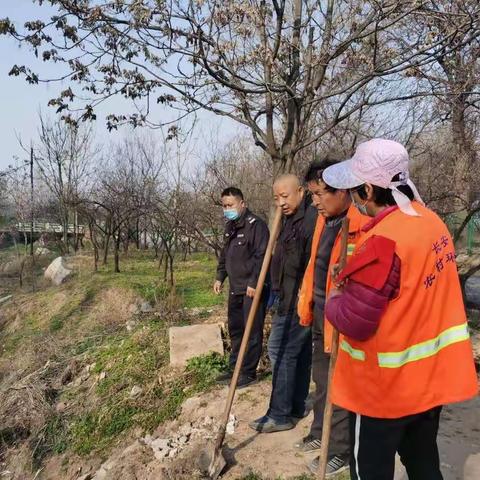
<point>21,103</point>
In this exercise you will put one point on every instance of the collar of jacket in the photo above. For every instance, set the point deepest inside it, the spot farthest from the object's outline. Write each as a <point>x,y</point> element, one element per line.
<point>379,217</point>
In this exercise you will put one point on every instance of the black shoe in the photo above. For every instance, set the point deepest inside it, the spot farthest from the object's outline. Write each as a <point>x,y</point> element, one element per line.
<point>299,416</point>
<point>334,466</point>
<point>308,444</point>
<point>266,424</point>
<point>245,381</point>
<point>224,377</point>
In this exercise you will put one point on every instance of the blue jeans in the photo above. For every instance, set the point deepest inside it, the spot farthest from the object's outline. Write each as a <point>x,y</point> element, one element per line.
<point>290,352</point>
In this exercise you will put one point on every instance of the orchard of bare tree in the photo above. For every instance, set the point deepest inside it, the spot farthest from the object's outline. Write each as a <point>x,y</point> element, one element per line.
<point>139,114</point>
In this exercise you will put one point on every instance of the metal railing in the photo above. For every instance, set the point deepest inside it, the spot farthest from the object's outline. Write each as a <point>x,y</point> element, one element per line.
<point>48,227</point>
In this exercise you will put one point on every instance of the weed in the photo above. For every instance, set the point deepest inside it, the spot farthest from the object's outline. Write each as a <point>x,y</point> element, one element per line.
<point>205,368</point>
<point>251,476</point>
<point>53,438</point>
<point>56,323</point>
<point>95,430</point>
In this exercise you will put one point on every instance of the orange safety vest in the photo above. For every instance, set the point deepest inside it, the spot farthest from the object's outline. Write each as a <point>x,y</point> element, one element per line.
<point>421,355</point>
<point>305,296</point>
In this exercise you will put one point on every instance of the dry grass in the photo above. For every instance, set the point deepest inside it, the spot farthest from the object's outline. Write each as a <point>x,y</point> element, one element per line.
<point>56,343</point>
<point>112,306</point>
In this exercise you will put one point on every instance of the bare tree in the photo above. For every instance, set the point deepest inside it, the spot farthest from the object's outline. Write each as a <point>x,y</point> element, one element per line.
<point>64,157</point>
<point>126,188</point>
<point>454,81</point>
<point>268,65</point>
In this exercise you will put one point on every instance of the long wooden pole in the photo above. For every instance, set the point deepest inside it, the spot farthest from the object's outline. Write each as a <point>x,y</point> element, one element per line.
<point>248,328</point>
<point>327,415</point>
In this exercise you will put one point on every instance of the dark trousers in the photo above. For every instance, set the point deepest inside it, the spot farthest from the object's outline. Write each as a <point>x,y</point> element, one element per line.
<point>374,442</point>
<point>238,309</point>
<point>339,436</point>
<point>290,352</point>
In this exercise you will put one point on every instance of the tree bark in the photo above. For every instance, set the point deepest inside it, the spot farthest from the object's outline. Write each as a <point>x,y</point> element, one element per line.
<point>105,251</point>
<point>117,252</point>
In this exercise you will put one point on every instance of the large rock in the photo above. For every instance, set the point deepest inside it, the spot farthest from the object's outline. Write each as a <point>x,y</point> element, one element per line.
<point>192,341</point>
<point>57,272</point>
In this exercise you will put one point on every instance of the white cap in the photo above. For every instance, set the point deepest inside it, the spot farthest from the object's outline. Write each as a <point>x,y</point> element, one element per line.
<point>376,162</point>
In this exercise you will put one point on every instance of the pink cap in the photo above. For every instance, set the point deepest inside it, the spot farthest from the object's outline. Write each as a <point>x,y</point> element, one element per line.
<point>376,161</point>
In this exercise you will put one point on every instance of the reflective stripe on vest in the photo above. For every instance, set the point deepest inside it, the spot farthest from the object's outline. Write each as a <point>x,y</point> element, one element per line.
<point>354,353</point>
<point>425,349</point>
<point>350,249</point>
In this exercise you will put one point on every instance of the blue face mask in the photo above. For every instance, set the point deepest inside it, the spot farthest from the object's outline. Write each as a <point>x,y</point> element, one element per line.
<point>361,208</point>
<point>231,214</point>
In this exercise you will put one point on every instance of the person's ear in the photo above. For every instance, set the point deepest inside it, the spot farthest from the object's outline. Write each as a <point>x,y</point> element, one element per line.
<point>369,191</point>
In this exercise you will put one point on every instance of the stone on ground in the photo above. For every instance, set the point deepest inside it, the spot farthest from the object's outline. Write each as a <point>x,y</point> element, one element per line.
<point>5,299</point>
<point>57,272</point>
<point>192,341</point>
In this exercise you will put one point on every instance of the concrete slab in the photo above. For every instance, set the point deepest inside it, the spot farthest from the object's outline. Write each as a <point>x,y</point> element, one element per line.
<point>192,341</point>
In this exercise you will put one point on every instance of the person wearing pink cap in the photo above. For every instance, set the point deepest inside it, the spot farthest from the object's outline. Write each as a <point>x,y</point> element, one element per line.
<point>404,350</point>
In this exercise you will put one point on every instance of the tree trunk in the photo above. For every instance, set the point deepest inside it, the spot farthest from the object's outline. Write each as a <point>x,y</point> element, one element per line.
<point>105,251</point>
<point>75,230</point>
<point>171,271</point>
<point>464,151</point>
<point>117,253</point>
<point>137,234</point>
<point>165,271</point>
<point>65,230</point>
<point>93,238</point>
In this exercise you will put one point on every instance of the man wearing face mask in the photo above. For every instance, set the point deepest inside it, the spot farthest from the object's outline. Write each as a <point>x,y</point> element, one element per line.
<point>289,345</point>
<point>245,242</point>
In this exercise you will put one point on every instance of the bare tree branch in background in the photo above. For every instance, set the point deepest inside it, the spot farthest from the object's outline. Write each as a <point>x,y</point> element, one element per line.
<point>268,65</point>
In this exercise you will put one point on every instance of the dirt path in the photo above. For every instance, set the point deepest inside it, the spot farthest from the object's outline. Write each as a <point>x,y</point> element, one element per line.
<point>270,455</point>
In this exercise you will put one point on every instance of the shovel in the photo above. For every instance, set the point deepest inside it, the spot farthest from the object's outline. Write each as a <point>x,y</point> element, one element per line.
<point>211,460</point>
<point>327,415</point>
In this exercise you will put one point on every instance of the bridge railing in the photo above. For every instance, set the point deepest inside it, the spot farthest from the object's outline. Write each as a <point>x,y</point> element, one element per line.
<point>48,227</point>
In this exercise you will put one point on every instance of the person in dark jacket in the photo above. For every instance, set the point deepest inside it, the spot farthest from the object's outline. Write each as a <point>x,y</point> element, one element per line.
<point>290,344</point>
<point>245,242</point>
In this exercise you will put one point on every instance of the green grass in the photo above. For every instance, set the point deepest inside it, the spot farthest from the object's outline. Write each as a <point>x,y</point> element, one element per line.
<point>101,411</point>
<point>194,282</point>
<point>126,365</point>
<point>53,439</point>
<point>139,271</point>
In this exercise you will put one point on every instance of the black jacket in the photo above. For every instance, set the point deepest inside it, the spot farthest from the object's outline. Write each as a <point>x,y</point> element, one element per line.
<point>291,256</point>
<point>245,243</point>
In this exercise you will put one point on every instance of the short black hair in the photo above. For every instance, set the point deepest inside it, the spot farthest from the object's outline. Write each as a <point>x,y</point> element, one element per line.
<point>315,171</point>
<point>232,192</point>
<point>384,196</point>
